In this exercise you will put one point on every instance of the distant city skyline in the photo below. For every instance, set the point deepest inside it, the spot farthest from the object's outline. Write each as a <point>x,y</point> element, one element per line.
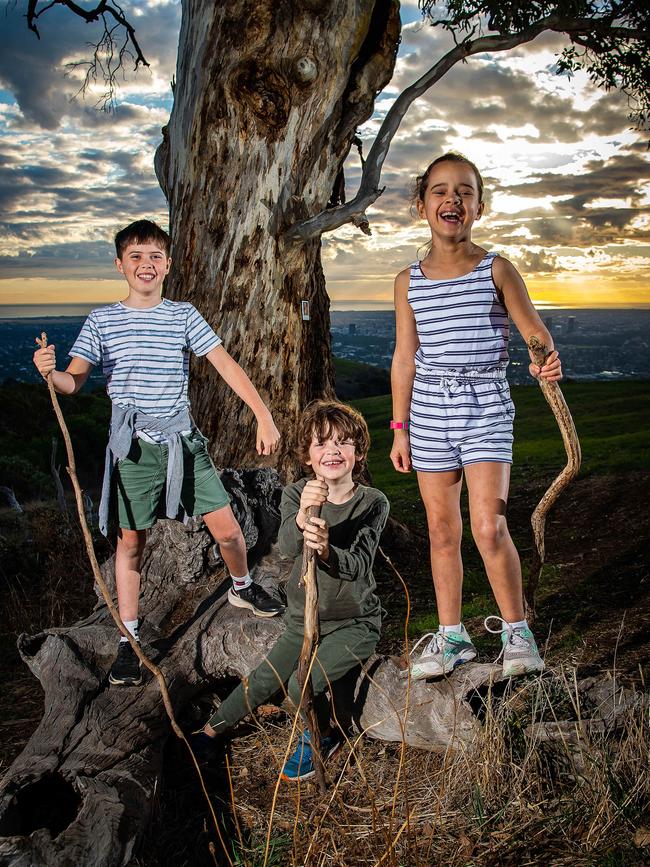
<point>595,344</point>
<point>567,181</point>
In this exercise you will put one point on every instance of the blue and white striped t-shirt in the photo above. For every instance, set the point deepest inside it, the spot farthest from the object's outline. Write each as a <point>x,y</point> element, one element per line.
<point>145,354</point>
<point>461,323</point>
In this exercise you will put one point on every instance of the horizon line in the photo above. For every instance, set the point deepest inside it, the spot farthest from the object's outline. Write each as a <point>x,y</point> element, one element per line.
<point>353,306</point>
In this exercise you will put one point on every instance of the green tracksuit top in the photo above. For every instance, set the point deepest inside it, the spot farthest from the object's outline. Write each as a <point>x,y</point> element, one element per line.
<point>346,585</point>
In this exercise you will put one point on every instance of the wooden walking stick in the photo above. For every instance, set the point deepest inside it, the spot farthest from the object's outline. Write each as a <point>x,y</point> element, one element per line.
<point>555,399</point>
<point>309,646</point>
<point>90,550</point>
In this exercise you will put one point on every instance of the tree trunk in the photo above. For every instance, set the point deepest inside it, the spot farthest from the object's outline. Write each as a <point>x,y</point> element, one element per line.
<point>268,97</point>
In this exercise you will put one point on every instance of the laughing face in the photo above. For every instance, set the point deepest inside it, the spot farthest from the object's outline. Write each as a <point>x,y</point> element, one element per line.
<point>144,267</point>
<point>332,457</point>
<point>451,201</point>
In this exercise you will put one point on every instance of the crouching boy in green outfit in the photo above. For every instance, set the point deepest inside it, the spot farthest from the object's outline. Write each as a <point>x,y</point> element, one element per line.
<point>333,443</point>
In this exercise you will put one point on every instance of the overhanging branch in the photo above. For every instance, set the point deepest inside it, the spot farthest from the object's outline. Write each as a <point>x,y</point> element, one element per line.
<point>369,189</point>
<point>89,15</point>
<point>108,57</point>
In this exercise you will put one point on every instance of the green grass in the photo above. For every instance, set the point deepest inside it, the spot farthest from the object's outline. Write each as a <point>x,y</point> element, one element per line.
<point>612,420</point>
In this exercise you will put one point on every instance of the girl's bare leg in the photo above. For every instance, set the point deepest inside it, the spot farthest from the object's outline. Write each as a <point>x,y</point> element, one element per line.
<point>488,485</point>
<point>440,494</point>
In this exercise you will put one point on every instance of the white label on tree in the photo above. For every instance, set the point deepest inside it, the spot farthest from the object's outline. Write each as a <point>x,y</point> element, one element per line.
<point>304,305</point>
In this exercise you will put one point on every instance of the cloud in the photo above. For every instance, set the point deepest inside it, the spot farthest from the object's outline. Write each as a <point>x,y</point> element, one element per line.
<point>565,177</point>
<point>87,260</point>
<point>34,70</point>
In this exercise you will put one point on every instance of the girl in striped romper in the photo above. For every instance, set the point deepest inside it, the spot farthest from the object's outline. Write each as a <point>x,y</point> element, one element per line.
<point>453,413</point>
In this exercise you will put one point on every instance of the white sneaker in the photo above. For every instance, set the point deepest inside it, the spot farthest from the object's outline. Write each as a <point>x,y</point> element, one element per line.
<point>443,652</point>
<point>519,650</point>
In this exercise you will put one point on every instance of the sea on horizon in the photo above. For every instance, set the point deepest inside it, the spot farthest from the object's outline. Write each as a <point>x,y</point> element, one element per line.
<point>45,311</point>
<point>51,311</point>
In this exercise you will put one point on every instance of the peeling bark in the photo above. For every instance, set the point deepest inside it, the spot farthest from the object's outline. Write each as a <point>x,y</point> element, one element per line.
<point>267,102</point>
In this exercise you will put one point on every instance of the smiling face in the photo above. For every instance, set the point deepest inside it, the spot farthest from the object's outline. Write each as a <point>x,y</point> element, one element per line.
<point>144,266</point>
<point>451,201</point>
<point>332,456</point>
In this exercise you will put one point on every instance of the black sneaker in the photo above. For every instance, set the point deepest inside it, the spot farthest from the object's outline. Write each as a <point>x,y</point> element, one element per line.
<point>254,597</point>
<point>126,668</point>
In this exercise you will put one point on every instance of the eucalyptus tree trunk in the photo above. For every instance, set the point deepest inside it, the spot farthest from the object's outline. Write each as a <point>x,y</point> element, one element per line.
<point>267,100</point>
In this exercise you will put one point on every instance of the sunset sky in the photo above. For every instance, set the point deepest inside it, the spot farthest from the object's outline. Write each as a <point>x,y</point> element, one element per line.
<point>568,182</point>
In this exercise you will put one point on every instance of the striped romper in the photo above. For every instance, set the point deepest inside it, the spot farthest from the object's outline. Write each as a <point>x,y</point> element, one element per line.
<point>461,410</point>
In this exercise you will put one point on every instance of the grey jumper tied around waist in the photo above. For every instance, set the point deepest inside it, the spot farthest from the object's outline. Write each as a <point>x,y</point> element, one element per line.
<point>125,421</point>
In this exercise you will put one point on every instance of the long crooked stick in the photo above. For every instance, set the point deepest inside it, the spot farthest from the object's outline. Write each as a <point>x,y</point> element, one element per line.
<point>555,399</point>
<point>90,549</point>
<point>309,646</point>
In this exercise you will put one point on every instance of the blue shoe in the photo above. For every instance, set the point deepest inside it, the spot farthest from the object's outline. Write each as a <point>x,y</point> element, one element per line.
<point>300,765</point>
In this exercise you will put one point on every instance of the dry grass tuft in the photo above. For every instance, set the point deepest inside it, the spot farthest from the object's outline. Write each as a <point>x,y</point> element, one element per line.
<point>559,775</point>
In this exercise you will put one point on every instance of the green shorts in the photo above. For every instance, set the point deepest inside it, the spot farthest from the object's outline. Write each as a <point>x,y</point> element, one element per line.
<point>141,478</point>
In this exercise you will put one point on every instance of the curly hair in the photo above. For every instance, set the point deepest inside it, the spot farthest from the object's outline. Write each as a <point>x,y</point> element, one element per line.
<point>321,417</point>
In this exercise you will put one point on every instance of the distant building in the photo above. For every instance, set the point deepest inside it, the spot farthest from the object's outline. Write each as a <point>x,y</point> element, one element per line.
<point>571,325</point>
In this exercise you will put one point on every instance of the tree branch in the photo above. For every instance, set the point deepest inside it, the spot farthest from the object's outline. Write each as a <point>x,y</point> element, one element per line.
<point>369,190</point>
<point>555,399</point>
<point>105,45</point>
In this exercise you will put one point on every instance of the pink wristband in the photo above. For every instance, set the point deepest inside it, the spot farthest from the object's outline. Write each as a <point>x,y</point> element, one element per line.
<point>399,425</point>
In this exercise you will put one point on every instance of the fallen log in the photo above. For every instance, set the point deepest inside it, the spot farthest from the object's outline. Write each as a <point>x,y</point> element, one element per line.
<point>81,792</point>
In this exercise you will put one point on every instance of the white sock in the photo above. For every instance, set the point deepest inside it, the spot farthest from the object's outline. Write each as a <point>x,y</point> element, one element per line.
<point>455,628</point>
<point>132,627</point>
<point>242,583</point>
<point>519,624</point>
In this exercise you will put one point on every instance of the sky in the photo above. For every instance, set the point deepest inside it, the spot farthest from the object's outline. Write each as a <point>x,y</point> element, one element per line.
<point>567,180</point>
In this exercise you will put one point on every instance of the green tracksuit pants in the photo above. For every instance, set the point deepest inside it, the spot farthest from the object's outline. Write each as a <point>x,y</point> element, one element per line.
<point>338,653</point>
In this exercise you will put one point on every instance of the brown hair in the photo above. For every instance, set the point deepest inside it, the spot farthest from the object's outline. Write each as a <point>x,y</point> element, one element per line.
<point>422,180</point>
<point>321,417</point>
<point>141,232</point>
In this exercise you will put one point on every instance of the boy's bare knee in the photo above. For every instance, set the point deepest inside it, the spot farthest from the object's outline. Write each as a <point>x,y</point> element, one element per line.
<point>230,536</point>
<point>131,542</point>
<point>224,527</point>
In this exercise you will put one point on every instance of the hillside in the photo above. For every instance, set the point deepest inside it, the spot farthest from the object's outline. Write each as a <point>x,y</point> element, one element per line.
<point>593,614</point>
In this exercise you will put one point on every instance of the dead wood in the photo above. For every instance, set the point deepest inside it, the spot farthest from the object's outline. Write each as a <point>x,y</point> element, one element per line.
<point>83,788</point>
<point>557,403</point>
<point>54,469</point>
<point>308,650</point>
<point>10,499</point>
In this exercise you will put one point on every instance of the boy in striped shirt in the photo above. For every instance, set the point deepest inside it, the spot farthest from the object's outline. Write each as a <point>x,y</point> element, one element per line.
<point>155,450</point>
